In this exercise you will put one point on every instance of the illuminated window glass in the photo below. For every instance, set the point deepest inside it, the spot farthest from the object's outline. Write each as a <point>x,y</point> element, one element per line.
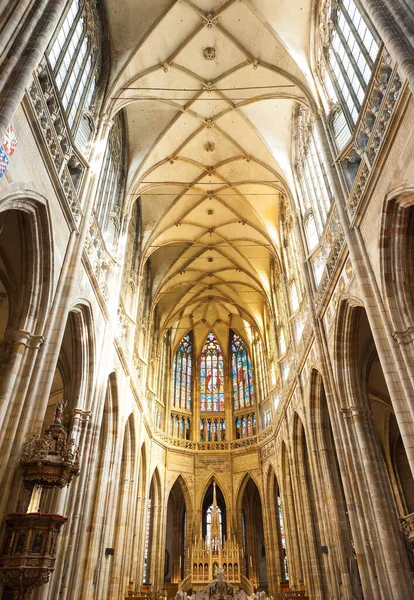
<point>282,537</point>
<point>294,300</point>
<point>208,523</point>
<point>74,58</point>
<point>351,56</point>
<point>182,371</point>
<point>241,374</point>
<point>211,376</point>
<point>108,195</point>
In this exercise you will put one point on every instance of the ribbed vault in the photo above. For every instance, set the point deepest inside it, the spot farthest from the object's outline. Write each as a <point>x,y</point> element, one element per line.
<point>208,88</point>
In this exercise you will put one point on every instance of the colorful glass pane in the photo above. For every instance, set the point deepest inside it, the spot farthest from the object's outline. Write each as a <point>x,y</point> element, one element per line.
<point>181,387</point>
<point>241,373</point>
<point>211,376</point>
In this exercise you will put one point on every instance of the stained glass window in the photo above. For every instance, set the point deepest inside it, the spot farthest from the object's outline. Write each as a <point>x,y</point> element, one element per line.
<point>241,373</point>
<point>181,384</point>
<point>238,428</point>
<point>244,427</point>
<point>212,430</point>
<point>211,376</point>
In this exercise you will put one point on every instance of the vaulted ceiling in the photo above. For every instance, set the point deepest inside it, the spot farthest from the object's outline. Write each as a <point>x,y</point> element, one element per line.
<point>208,88</point>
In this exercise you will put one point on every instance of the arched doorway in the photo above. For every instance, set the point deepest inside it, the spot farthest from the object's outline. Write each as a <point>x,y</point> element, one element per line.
<point>253,543</point>
<point>176,535</point>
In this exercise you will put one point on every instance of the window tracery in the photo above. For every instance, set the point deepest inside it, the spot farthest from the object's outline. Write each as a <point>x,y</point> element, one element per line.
<point>315,195</point>
<point>209,514</point>
<point>107,208</point>
<point>74,57</point>
<point>349,47</point>
<point>245,425</point>
<point>242,375</point>
<point>290,259</point>
<point>182,374</point>
<point>261,370</point>
<point>211,376</point>
<point>212,430</point>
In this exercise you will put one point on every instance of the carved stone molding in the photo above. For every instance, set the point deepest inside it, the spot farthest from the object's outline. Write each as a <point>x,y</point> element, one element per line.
<point>28,339</point>
<point>404,337</point>
<point>56,139</point>
<point>209,53</point>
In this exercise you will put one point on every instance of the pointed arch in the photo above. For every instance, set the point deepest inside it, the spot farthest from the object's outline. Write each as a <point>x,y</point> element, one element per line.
<point>250,526</point>
<point>125,516</point>
<point>242,488</point>
<point>153,524</point>
<point>177,531</point>
<point>242,374</point>
<point>185,488</point>
<point>29,305</point>
<point>220,483</point>
<point>397,260</point>
<point>211,376</point>
<point>207,502</point>
<point>182,374</point>
<point>277,529</point>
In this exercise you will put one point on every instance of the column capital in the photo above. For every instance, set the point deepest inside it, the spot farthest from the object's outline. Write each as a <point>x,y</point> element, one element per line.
<point>28,339</point>
<point>355,412</point>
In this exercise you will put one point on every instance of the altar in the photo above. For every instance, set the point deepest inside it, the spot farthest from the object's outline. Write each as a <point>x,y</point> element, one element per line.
<point>208,556</point>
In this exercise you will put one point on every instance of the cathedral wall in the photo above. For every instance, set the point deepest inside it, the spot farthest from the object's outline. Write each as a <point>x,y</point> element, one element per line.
<point>395,172</point>
<point>27,171</point>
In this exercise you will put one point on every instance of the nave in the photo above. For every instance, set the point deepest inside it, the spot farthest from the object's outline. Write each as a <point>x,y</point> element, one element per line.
<point>206,300</point>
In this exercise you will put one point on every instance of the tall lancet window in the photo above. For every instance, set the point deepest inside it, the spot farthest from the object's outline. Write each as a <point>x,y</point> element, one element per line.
<point>351,47</point>
<point>209,516</point>
<point>242,375</point>
<point>211,376</point>
<point>182,372</point>
<point>75,60</point>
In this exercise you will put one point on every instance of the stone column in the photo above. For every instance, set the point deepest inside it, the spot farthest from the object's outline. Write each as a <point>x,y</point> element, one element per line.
<point>24,39</point>
<point>272,539</point>
<point>392,566</point>
<point>394,21</point>
<point>388,352</point>
<point>290,521</point>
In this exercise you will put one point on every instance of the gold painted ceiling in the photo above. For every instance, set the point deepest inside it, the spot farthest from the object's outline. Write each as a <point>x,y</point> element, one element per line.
<point>208,88</point>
